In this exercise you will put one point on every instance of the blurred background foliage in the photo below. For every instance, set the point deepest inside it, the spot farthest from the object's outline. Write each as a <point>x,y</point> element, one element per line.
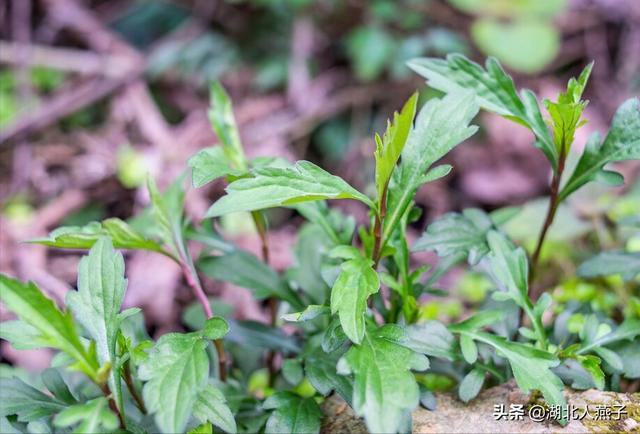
<point>95,94</point>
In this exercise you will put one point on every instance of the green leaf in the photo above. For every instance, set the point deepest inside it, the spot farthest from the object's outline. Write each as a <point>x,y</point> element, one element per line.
<point>292,414</point>
<point>321,371</point>
<point>385,390</point>
<point>253,334</point>
<point>566,112</point>
<point>56,329</point>
<point>21,335</point>
<point>211,406</point>
<point>224,124</point>
<point>622,143</point>
<point>510,268</point>
<point>610,357</point>
<point>471,385</point>
<point>26,402</point>
<point>209,164</point>
<point>511,42</point>
<point>215,328</point>
<point>310,312</point>
<point>610,263</point>
<point>389,147</point>
<point>96,304</point>
<point>92,417</point>
<point>431,338</point>
<point>495,91</point>
<point>592,365</point>
<point>292,371</point>
<point>245,270</point>
<point>440,125</point>
<point>167,211</point>
<point>54,382</point>
<point>530,366</point>
<point>355,283</point>
<point>454,234</point>
<point>274,186</point>
<point>84,237</point>
<point>370,49</point>
<point>469,349</point>
<point>175,372</point>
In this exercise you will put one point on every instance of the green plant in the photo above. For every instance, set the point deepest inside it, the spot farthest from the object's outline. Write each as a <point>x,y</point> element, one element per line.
<point>353,293</point>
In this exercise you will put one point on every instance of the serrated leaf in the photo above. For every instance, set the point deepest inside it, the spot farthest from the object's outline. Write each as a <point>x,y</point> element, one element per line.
<point>455,233</point>
<point>530,366</point>
<point>211,406</point>
<point>495,91</point>
<point>566,111</point>
<point>274,186</point>
<point>84,237</point>
<point>622,143</point>
<point>355,283</point>
<point>56,329</point>
<point>510,267</point>
<point>245,270</point>
<point>610,263</point>
<point>389,147</point>
<point>385,391</point>
<point>224,124</point>
<point>97,303</point>
<point>175,372</point>
<point>27,403</point>
<point>440,125</point>
<point>210,164</point>
<point>91,417</point>
<point>471,385</point>
<point>167,211</point>
<point>292,414</point>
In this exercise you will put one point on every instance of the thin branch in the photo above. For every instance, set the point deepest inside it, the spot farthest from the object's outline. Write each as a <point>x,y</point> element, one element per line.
<point>128,380</point>
<point>112,404</point>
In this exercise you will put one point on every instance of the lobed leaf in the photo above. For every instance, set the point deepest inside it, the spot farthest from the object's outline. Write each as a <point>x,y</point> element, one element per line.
<point>90,417</point>
<point>224,124</point>
<point>440,125</point>
<point>273,186</point>
<point>56,329</point>
<point>389,147</point>
<point>495,90</point>
<point>385,391</point>
<point>27,403</point>
<point>211,406</point>
<point>175,372</point>
<point>97,303</point>
<point>84,237</point>
<point>622,143</point>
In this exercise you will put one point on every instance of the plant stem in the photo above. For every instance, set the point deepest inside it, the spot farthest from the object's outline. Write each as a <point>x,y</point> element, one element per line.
<point>377,227</point>
<point>112,404</point>
<point>273,302</point>
<point>128,380</point>
<point>554,202</point>
<point>192,280</point>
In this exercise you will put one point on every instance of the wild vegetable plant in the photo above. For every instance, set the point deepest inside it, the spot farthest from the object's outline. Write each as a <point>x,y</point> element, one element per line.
<point>353,294</point>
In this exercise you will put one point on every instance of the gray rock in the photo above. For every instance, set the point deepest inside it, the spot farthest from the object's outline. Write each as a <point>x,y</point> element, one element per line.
<point>453,416</point>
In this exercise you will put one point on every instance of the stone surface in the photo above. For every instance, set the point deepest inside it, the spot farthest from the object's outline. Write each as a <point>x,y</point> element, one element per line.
<point>453,416</point>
